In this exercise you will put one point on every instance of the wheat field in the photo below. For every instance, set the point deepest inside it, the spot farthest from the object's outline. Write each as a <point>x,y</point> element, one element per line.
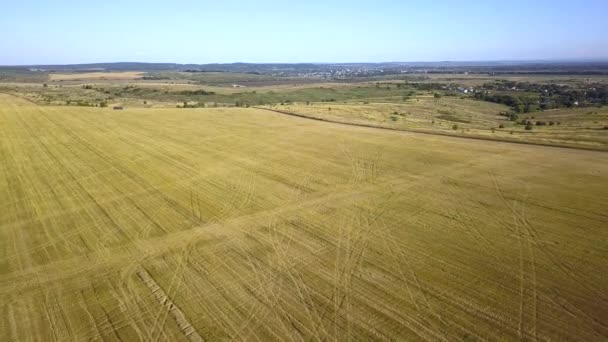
<point>96,76</point>
<point>243,224</point>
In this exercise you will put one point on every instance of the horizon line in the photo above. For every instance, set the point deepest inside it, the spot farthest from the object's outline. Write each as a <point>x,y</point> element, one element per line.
<point>548,60</point>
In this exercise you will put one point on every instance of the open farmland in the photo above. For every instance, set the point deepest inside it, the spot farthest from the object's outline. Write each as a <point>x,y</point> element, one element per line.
<point>96,76</point>
<point>241,223</point>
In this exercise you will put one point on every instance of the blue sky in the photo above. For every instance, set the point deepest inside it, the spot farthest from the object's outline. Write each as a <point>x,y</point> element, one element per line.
<point>61,31</point>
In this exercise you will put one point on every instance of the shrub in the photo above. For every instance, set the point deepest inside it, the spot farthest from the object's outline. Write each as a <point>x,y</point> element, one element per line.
<point>501,126</point>
<point>528,127</point>
<point>436,95</point>
<point>455,127</point>
<point>196,92</point>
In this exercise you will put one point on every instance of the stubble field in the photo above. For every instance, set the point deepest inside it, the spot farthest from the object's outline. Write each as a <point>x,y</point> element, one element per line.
<point>96,76</point>
<point>239,223</point>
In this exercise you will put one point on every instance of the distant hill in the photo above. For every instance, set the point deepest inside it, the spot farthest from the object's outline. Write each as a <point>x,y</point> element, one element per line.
<point>574,66</point>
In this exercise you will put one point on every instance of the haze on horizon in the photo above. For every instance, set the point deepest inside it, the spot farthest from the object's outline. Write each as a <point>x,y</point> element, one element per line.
<point>266,31</point>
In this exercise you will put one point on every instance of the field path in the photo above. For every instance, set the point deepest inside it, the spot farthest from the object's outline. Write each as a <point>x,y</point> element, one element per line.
<point>435,132</point>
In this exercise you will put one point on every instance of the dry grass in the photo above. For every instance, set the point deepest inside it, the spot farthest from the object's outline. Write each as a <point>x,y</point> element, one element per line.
<point>97,76</point>
<point>261,226</point>
<point>578,127</point>
<point>416,112</point>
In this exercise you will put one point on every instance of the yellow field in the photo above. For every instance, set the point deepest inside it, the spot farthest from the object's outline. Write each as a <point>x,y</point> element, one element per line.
<point>235,223</point>
<point>96,76</point>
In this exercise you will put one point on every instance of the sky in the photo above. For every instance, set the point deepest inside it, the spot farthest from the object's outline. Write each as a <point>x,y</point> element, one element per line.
<point>267,31</point>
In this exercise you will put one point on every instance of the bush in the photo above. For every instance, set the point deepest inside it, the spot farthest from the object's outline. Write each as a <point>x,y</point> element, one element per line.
<point>455,127</point>
<point>196,92</point>
<point>437,95</point>
<point>501,126</point>
<point>528,127</point>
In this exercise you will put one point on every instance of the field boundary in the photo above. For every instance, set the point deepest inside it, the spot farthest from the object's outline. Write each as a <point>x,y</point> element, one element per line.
<point>20,97</point>
<point>436,133</point>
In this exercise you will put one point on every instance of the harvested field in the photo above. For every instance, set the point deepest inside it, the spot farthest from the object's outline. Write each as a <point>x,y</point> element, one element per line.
<point>243,224</point>
<point>96,76</point>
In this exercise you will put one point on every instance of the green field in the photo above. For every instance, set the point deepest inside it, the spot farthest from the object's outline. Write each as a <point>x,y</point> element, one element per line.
<point>244,224</point>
